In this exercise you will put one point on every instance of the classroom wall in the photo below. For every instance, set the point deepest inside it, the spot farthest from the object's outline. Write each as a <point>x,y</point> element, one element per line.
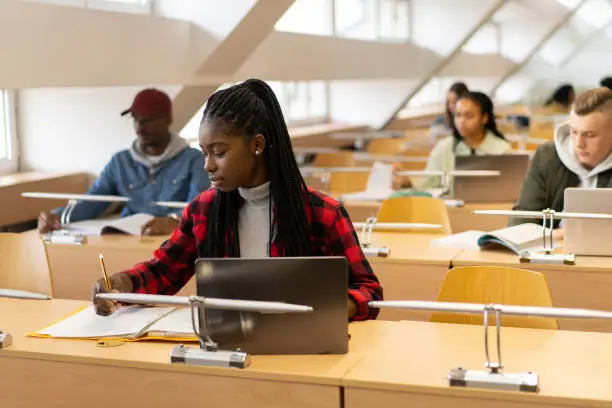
<point>50,45</point>
<point>367,102</point>
<point>287,56</point>
<point>446,29</point>
<point>74,129</point>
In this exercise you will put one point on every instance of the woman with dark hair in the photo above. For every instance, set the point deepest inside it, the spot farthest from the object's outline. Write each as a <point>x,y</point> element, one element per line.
<point>561,100</point>
<point>606,82</point>
<point>443,125</point>
<point>259,206</point>
<point>475,133</point>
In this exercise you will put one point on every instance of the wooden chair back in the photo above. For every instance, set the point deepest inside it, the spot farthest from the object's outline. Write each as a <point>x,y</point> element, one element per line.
<point>425,210</point>
<point>495,284</point>
<point>335,159</point>
<point>24,264</point>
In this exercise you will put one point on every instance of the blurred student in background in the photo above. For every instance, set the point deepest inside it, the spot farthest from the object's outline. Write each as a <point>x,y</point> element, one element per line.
<point>560,102</point>
<point>475,133</point>
<point>158,166</point>
<point>606,82</point>
<point>579,156</point>
<point>444,124</point>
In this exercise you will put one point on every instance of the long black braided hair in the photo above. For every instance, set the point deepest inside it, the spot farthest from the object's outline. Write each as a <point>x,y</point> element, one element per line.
<point>251,108</point>
<point>486,107</point>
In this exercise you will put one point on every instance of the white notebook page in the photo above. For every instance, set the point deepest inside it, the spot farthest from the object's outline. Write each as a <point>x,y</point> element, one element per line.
<point>177,323</point>
<point>131,225</point>
<point>125,321</point>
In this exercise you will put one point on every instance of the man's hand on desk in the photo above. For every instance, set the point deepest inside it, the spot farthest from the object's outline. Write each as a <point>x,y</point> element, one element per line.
<point>160,226</point>
<point>120,283</point>
<point>48,222</point>
<point>400,182</point>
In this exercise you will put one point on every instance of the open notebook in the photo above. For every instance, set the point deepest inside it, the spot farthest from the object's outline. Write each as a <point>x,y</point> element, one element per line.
<point>518,239</point>
<point>128,323</point>
<point>131,225</point>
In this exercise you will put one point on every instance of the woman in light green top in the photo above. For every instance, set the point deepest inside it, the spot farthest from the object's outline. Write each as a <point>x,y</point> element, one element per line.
<point>475,133</point>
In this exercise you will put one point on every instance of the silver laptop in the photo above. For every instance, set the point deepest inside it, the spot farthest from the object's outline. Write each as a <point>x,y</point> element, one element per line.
<point>588,237</point>
<point>502,188</point>
<point>319,282</point>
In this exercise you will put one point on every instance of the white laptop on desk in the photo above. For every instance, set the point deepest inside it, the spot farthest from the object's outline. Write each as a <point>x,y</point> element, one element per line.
<point>588,237</point>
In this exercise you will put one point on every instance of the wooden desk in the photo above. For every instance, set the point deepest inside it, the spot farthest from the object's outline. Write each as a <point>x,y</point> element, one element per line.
<point>75,268</point>
<point>21,209</point>
<point>77,373</point>
<point>461,218</point>
<point>414,270</point>
<point>320,135</point>
<point>584,285</point>
<point>408,368</point>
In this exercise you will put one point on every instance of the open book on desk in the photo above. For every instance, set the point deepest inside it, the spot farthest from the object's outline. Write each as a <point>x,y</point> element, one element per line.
<point>518,239</point>
<point>131,225</point>
<point>130,323</point>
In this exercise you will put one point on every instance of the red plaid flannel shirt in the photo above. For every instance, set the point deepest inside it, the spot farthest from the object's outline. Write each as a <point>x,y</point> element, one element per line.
<point>332,234</point>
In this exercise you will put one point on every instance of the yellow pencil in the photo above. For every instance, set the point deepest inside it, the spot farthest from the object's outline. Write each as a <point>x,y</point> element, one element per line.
<point>106,280</point>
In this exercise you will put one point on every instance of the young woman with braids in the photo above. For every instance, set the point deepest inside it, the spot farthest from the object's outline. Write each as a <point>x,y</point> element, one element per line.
<point>475,133</point>
<point>259,205</point>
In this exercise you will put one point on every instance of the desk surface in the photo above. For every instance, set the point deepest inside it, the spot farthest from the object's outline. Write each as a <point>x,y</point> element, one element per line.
<point>25,209</point>
<point>407,247</point>
<point>115,241</point>
<point>390,359</point>
<point>30,176</point>
<point>415,357</point>
<point>600,264</point>
<point>22,316</point>
<point>461,218</point>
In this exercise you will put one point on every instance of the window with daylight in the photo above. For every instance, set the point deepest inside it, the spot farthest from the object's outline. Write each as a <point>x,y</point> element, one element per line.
<point>303,103</point>
<point>394,16</point>
<point>126,6</point>
<point>597,13</point>
<point>5,127</point>
<point>307,17</point>
<point>356,19</point>
<point>485,41</point>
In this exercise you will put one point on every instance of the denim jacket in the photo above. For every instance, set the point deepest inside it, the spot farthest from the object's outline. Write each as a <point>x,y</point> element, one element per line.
<point>181,178</point>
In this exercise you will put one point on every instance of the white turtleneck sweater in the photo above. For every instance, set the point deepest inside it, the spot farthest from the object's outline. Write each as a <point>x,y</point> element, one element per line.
<point>254,221</point>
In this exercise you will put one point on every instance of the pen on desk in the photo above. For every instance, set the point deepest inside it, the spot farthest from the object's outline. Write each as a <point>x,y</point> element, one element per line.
<point>105,273</point>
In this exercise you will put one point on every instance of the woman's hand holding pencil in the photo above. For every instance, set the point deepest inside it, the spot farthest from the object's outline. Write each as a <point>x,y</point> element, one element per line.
<point>119,283</point>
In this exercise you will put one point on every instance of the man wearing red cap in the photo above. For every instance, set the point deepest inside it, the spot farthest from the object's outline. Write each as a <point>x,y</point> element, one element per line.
<point>159,166</point>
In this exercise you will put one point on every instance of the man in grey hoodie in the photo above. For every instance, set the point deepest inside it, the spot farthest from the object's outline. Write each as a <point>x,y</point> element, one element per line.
<point>580,156</point>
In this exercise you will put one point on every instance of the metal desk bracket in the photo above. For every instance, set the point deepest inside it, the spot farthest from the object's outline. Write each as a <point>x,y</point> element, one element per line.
<point>65,235</point>
<point>494,378</point>
<point>6,340</point>
<point>209,353</point>
<point>547,256</point>
<point>366,239</point>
